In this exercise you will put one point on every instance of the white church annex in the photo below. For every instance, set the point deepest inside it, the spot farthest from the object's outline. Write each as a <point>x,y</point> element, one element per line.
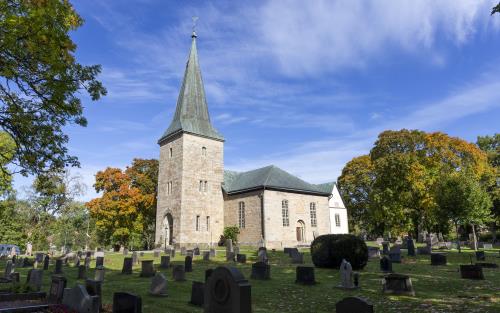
<point>197,198</point>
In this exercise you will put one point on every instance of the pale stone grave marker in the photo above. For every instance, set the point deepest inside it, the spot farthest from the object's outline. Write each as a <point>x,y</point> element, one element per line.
<point>158,285</point>
<point>78,299</point>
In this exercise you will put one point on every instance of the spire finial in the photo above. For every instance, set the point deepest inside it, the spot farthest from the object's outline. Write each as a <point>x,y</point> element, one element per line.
<point>195,19</point>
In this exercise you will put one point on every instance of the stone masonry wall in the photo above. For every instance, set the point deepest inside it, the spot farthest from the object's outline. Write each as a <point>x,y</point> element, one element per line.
<point>251,234</point>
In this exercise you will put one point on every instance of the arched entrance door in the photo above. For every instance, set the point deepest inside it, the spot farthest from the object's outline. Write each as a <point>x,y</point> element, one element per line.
<point>168,228</point>
<point>300,227</point>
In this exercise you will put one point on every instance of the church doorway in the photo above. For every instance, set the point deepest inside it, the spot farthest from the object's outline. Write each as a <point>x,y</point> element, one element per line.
<point>300,228</point>
<point>168,228</point>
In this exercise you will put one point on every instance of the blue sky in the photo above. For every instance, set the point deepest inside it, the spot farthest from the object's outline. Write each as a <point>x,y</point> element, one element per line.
<point>304,85</point>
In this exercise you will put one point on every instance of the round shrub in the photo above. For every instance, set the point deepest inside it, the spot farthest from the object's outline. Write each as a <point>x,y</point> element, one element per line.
<point>329,250</point>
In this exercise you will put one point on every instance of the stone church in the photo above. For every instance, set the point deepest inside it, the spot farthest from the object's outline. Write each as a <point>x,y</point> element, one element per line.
<point>197,198</point>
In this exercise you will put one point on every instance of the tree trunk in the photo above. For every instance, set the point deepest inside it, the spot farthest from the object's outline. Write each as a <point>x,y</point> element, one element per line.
<point>474,237</point>
<point>458,238</point>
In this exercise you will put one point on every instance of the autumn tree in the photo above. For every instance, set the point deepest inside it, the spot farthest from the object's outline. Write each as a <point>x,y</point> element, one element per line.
<point>128,203</point>
<point>40,81</point>
<point>496,9</point>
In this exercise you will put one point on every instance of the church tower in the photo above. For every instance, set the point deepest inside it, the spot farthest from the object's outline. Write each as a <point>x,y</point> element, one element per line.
<point>190,201</point>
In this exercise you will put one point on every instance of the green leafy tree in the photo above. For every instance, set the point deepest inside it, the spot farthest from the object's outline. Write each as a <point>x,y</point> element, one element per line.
<point>40,81</point>
<point>7,149</point>
<point>231,232</point>
<point>496,9</point>
<point>462,199</point>
<point>14,223</point>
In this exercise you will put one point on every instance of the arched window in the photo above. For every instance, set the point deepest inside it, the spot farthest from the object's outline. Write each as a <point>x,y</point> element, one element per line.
<point>204,151</point>
<point>312,209</point>
<point>241,214</point>
<point>284,213</point>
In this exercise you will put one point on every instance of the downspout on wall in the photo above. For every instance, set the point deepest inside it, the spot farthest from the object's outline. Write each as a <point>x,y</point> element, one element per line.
<point>262,220</point>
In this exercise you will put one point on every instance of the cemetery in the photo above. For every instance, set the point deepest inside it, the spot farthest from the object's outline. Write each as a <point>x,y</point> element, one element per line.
<point>271,284</point>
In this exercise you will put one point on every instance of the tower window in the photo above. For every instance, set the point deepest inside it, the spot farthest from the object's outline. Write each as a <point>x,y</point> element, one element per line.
<point>197,223</point>
<point>205,186</point>
<point>284,213</point>
<point>200,189</point>
<point>241,214</point>
<point>170,152</point>
<point>337,220</point>
<point>208,223</point>
<point>204,151</point>
<point>312,208</point>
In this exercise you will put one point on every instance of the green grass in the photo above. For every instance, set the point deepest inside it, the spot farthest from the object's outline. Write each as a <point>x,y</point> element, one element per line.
<point>437,288</point>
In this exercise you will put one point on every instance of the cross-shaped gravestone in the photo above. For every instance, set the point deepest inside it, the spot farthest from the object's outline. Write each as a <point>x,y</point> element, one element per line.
<point>158,285</point>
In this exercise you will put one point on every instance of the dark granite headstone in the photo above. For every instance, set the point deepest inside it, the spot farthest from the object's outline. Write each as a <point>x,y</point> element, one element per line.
<point>305,275</point>
<point>196,251</point>
<point>57,286</point>
<point>487,265</point>
<point>124,302</point>
<point>353,305</point>
<point>208,273</point>
<point>230,256</point>
<point>297,257</point>
<point>438,259</point>
<point>398,284</point>
<point>165,261</point>
<point>9,266</point>
<point>188,264</point>
<point>385,246</point>
<point>480,256</point>
<point>227,291</point>
<point>79,300</point>
<point>385,264</point>
<point>147,269</point>
<point>99,261</point>
<point>471,272</point>
<point>261,271</point>
<point>206,255</point>
<point>35,279</point>
<point>127,266</point>
<point>287,251</point>
<point>241,258</point>
<point>178,273</point>
<point>46,262</point>
<point>424,250</point>
<point>94,288</point>
<point>395,256</point>
<point>82,272</point>
<point>410,245</point>
<point>197,296</point>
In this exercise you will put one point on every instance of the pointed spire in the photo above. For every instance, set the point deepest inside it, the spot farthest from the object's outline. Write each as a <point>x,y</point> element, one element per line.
<point>191,114</point>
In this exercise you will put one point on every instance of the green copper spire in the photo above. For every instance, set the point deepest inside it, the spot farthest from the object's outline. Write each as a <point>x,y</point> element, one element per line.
<point>191,114</point>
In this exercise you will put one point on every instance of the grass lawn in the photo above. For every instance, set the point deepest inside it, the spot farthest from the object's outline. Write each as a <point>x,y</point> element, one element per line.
<point>437,288</point>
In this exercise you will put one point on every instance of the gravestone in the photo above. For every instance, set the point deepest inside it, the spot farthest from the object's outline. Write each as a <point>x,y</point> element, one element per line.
<point>35,279</point>
<point>188,264</point>
<point>206,255</point>
<point>487,265</point>
<point>82,272</point>
<point>297,257</point>
<point>438,259</point>
<point>236,250</point>
<point>124,302</point>
<point>410,245</point>
<point>261,271</point>
<point>178,273</point>
<point>487,246</point>
<point>183,251</point>
<point>291,251</point>
<point>346,275</point>
<point>385,264</point>
<point>229,256</point>
<point>480,256</point>
<point>262,256</point>
<point>385,247</point>
<point>241,258</point>
<point>212,253</point>
<point>99,274</point>
<point>127,266</point>
<point>156,254</point>
<point>14,277</point>
<point>125,251</point>
<point>141,254</point>
<point>59,265</point>
<point>395,256</point>
<point>286,251</point>
<point>94,288</point>
<point>398,284</point>
<point>373,252</point>
<point>86,262</point>
<point>158,285</point>
<point>39,257</point>
<point>227,291</point>
<point>135,258</point>
<point>165,261</point>
<point>208,273</point>
<point>471,272</point>
<point>99,261</point>
<point>147,269</point>
<point>56,291</point>
<point>353,305</point>
<point>172,253</point>
<point>196,251</point>
<point>79,300</point>
<point>197,293</point>
<point>8,269</point>
<point>229,245</point>
<point>423,250</point>
<point>305,275</point>
<point>190,253</point>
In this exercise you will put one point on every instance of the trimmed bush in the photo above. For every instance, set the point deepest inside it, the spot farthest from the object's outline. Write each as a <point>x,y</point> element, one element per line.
<point>329,250</point>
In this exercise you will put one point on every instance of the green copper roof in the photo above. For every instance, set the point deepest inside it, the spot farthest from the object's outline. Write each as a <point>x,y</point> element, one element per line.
<point>326,187</point>
<point>191,114</point>
<point>268,177</point>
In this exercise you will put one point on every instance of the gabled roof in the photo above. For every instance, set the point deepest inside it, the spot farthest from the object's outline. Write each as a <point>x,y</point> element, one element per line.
<point>269,177</point>
<point>191,113</point>
<point>326,187</point>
